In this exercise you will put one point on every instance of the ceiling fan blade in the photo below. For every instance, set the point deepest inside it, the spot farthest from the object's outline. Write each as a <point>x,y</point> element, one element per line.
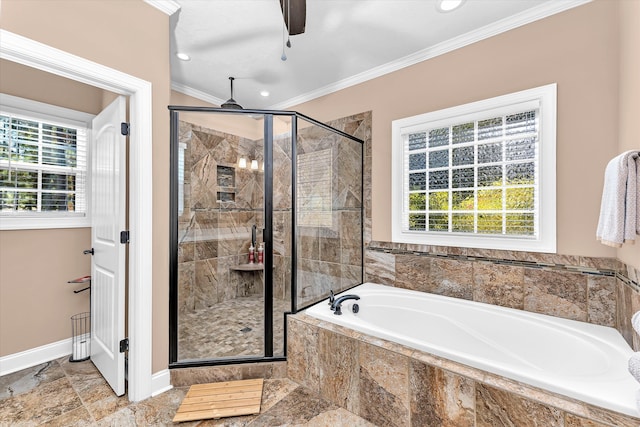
<point>298,11</point>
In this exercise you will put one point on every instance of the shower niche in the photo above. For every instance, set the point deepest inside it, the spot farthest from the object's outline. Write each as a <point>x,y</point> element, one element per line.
<point>271,181</point>
<point>226,179</point>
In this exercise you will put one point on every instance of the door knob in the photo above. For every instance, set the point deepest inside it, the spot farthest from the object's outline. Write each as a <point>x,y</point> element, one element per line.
<point>88,252</point>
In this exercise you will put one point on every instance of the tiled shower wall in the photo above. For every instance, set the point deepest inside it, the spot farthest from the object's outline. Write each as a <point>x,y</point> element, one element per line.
<point>330,257</point>
<point>213,235</point>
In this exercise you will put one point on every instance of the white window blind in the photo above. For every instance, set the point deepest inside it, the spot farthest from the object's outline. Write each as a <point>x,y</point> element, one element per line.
<point>314,195</point>
<point>478,175</point>
<point>43,165</point>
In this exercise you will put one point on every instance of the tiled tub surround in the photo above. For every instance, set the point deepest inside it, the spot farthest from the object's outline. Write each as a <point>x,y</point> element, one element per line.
<point>603,291</point>
<point>393,385</point>
<point>576,359</point>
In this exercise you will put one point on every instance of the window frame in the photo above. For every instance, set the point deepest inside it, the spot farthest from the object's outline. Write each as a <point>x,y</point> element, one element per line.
<point>545,100</point>
<point>43,112</point>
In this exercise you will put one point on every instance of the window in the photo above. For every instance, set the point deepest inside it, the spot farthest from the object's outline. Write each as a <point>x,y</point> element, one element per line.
<point>43,165</point>
<point>478,175</point>
<point>314,177</point>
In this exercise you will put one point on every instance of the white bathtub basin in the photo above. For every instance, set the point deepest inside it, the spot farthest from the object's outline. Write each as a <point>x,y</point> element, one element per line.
<point>576,359</point>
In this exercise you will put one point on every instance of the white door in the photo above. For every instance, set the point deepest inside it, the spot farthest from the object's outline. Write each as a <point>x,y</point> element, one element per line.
<point>108,198</point>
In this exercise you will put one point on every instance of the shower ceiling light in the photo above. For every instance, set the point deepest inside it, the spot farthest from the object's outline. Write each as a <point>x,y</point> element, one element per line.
<point>448,5</point>
<point>183,56</point>
<point>264,93</point>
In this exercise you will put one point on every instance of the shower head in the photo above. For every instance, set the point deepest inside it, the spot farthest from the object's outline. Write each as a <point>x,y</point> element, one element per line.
<point>231,103</point>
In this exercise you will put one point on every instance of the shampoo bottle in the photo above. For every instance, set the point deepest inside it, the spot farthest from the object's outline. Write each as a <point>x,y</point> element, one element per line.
<point>261,253</point>
<point>251,254</point>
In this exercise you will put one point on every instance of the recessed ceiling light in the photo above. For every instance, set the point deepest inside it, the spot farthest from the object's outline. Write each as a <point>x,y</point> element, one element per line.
<point>264,93</point>
<point>183,56</point>
<point>448,5</point>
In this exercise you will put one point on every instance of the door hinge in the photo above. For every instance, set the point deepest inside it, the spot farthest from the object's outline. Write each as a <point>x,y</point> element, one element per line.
<point>124,128</point>
<point>124,345</point>
<point>124,237</point>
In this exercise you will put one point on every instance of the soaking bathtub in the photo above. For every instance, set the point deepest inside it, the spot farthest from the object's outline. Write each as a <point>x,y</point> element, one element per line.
<point>575,359</point>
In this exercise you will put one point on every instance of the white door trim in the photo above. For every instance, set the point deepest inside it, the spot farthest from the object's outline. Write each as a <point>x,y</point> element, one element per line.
<point>22,50</point>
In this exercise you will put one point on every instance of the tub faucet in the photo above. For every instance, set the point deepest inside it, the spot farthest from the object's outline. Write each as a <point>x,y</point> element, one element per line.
<point>336,306</point>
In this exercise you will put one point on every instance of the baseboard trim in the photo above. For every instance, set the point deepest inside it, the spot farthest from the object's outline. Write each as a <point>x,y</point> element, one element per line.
<point>32,357</point>
<point>160,382</point>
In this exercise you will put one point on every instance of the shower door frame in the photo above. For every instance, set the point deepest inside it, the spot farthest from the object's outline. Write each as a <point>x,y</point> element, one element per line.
<point>268,115</point>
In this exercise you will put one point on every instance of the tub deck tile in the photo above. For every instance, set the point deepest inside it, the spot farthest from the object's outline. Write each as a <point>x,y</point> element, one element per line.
<point>384,395</point>
<point>339,370</point>
<point>440,398</point>
<point>496,407</point>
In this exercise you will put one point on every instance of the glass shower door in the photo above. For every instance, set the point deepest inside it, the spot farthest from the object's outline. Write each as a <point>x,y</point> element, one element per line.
<point>221,295</point>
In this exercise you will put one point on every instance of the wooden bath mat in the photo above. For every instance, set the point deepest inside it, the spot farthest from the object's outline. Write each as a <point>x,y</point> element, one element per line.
<point>218,400</point>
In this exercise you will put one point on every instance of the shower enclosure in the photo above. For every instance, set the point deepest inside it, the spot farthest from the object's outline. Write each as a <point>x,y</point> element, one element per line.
<point>275,182</point>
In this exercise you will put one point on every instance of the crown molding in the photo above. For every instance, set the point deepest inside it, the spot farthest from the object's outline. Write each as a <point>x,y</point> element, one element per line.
<point>531,15</point>
<point>198,94</point>
<point>166,6</point>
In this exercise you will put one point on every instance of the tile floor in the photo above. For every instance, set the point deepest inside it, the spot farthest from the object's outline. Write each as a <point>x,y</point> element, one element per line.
<point>60,393</point>
<point>230,328</point>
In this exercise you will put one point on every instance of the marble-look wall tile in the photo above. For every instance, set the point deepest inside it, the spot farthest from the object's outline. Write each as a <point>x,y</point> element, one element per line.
<point>205,286</point>
<point>339,369</point>
<point>496,407</point>
<point>316,279</point>
<point>186,280</point>
<point>282,173</point>
<point>184,377</point>
<point>571,420</point>
<point>349,171</point>
<point>498,284</point>
<point>602,300</point>
<point>557,293</point>
<point>351,276</point>
<point>186,252</point>
<point>329,241</point>
<point>308,243</point>
<point>384,395</point>
<point>440,398</point>
<point>203,179</point>
<point>302,354</point>
<point>412,272</point>
<point>628,302</point>
<point>282,233</point>
<point>451,278</point>
<point>380,267</point>
<point>351,237</point>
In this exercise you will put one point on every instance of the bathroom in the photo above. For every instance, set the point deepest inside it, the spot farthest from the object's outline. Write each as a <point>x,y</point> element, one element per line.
<point>597,106</point>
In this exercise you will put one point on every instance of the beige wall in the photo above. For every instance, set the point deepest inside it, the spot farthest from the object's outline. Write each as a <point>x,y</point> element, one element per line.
<point>132,37</point>
<point>577,49</point>
<point>235,125</point>
<point>629,103</point>
<point>36,264</point>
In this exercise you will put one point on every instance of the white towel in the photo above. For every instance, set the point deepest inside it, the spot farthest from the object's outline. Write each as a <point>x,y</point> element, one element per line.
<point>634,365</point>
<point>620,208</point>
<point>635,321</point>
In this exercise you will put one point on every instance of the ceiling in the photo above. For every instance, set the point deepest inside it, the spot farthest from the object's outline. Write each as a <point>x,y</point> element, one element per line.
<point>346,42</point>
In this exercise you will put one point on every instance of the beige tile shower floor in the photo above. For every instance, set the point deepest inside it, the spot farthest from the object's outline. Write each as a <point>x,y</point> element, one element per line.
<point>60,393</point>
<point>230,328</point>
